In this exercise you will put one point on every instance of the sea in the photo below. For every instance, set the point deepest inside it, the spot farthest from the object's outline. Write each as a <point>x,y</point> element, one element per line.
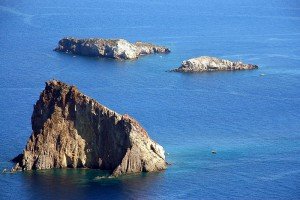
<point>251,119</point>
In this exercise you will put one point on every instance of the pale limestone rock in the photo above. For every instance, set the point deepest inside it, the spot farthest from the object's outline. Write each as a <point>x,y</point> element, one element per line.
<point>109,48</point>
<point>205,63</point>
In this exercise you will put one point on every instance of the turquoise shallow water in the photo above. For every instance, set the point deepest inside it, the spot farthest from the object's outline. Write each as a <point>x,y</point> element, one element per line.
<point>252,121</point>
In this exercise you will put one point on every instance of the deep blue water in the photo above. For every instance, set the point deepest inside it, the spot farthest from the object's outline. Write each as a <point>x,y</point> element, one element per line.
<point>252,121</point>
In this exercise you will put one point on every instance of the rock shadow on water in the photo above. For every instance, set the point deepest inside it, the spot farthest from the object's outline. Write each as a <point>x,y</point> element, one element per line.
<point>86,184</point>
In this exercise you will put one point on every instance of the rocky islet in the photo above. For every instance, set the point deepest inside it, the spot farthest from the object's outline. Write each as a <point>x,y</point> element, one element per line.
<point>108,48</point>
<point>71,130</point>
<point>209,64</point>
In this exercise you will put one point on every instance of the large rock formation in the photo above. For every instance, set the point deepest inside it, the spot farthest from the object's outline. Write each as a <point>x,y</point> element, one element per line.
<point>117,48</point>
<point>73,130</point>
<point>205,63</point>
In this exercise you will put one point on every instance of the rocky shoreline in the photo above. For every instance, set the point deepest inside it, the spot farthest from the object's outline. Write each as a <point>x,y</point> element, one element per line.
<point>71,130</point>
<point>108,48</point>
<point>208,64</point>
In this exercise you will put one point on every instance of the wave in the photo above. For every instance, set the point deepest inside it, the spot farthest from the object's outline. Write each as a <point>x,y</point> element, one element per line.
<point>259,56</point>
<point>291,57</point>
<point>279,175</point>
<point>112,28</point>
<point>27,18</point>
<point>254,16</point>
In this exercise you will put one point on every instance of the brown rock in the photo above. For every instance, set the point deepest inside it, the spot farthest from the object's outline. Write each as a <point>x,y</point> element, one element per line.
<point>73,130</point>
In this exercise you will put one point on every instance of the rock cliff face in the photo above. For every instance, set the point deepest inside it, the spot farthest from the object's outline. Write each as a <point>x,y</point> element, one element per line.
<point>73,130</point>
<point>205,63</point>
<point>117,49</point>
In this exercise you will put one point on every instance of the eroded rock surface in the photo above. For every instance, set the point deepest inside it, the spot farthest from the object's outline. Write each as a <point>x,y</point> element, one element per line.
<point>109,48</point>
<point>73,130</point>
<point>205,63</point>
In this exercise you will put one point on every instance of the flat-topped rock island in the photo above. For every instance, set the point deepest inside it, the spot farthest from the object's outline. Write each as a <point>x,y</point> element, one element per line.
<point>208,64</point>
<point>71,130</point>
<point>108,48</point>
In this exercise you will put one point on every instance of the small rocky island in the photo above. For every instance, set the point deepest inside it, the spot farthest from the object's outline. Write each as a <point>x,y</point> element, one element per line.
<point>71,130</point>
<point>207,64</point>
<point>109,48</point>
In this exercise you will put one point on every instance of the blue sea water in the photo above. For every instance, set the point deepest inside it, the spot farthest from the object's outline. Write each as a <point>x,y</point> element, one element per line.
<point>252,121</point>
